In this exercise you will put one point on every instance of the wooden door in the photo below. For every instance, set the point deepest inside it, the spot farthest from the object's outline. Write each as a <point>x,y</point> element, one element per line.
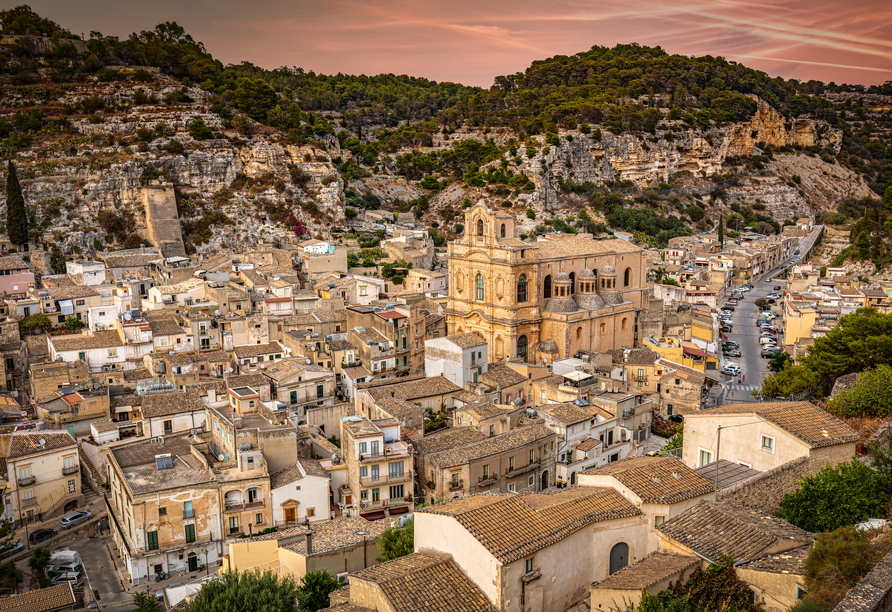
<point>290,515</point>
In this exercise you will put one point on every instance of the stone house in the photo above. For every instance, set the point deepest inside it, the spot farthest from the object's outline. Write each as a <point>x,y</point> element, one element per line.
<point>74,410</point>
<point>661,487</point>
<point>768,552</point>
<point>43,472</point>
<point>539,551</point>
<point>433,443</point>
<point>166,523</point>
<point>60,302</point>
<point>487,418</point>
<point>519,461</point>
<point>16,277</point>
<point>300,386</point>
<point>426,281</point>
<point>250,357</point>
<point>433,393</point>
<point>640,369</point>
<point>51,376</point>
<point>165,414</point>
<point>300,493</point>
<point>767,435</point>
<point>98,349</point>
<point>461,358</point>
<point>654,573</point>
<point>680,388</point>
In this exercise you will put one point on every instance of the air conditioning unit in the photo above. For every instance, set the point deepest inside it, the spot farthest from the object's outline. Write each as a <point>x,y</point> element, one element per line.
<point>342,578</point>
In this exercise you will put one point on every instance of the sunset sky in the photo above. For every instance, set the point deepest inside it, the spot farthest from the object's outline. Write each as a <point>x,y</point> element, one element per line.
<point>471,42</point>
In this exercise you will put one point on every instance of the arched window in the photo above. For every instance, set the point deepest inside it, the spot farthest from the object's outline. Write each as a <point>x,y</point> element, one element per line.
<point>500,347</point>
<point>579,333</point>
<point>460,281</point>
<point>627,278</point>
<point>603,328</point>
<point>619,557</point>
<point>625,323</point>
<point>503,230</point>
<point>522,348</point>
<point>480,287</point>
<point>522,289</point>
<point>479,227</point>
<point>546,287</point>
<point>572,283</point>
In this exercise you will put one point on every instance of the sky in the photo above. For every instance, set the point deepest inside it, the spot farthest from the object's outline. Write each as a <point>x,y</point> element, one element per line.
<point>473,41</point>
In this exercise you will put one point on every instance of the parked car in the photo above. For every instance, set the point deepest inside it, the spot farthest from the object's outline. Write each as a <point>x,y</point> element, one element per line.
<point>63,568</point>
<point>777,288</point>
<point>75,518</point>
<point>15,549</point>
<point>728,308</point>
<point>75,579</point>
<point>731,344</point>
<point>731,370</point>
<point>676,418</point>
<point>732,353</point>
<point>766,340</point>
<point>40,535</point>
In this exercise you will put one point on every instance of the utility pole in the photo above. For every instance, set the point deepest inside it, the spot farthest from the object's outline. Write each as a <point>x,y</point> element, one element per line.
<point>718,446</point>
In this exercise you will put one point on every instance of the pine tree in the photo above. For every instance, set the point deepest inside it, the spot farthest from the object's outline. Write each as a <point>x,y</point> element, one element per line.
<point>16,215</point>
<point>722,231</point>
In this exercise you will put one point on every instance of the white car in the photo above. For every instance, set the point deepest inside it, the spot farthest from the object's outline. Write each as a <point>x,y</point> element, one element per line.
<point>731,370</point>
<point>766,340</point>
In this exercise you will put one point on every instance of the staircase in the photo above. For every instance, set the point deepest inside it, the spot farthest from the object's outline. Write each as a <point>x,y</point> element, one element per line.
<point>89,474</point>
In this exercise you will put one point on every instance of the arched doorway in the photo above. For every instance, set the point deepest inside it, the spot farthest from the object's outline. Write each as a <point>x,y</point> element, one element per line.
<point>546,287</point>
<point>544,480</point>
<point>619,557</point>
<point>573,478</point>
<point>522,349</point>
<point>72,505</point>
<point>193,562</point>
<point>572,283</point>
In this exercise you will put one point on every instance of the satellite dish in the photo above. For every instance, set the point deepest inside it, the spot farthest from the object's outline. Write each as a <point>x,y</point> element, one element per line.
<point>262,366</point>
<point>309,362</point>
<point>229,370</point>
<point>221,457</point>
<point>41,442</point>
<point>127,316</point>
<point>218,313</point>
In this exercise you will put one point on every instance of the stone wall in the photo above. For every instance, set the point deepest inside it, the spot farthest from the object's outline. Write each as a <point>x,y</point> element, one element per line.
<point>873,593</point>
<point>766,490</point>
<point>162,220</point>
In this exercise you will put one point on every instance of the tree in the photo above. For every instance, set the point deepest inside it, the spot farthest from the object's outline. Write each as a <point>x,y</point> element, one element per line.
<point>791,380</point>
<point>57,261</point>
<point>871,396</point>
<point>715,588</point>
<point>861,341</point>
<point>722,231</point>
<point>675,442</point>
<point>837,496</point>
<point>314,591</point>
<point>37,564</point>
<point>144,603</point>
<point>761,303</point>
<point>248,591</point>
<point>779,361</point>
<point>37,321</point>
<point>8,541</point>
<point>16,213</point>
<point>836,563</point>
<point>881,461</point>
<point>73,323</point>
<point>397,542</point>
<point>199,130</point>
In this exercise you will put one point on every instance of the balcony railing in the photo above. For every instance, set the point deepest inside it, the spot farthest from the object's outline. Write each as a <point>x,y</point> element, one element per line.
<point>238,506</point>
<point>521,470</point>
<point>384,479</point>
<point>385,503</point>
<point>456,485</point>
<point>387,454</point>
<point>70,469</point>
<point>29,501</point>
<point>26,481</point>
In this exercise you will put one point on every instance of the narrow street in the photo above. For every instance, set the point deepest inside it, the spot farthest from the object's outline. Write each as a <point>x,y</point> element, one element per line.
<point>746,332</point>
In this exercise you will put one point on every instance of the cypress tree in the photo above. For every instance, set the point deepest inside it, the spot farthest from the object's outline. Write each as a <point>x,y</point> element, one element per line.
<point>16,215</point>
<point>722,231</point>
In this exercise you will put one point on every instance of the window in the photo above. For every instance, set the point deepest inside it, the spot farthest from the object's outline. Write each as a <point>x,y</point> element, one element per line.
<point>258,519</point>
<point>363,495</point>
<point>72,486</point>
<point>79,302</point>
<point>768,444</point>
<point>800,593</point>
<point>396,492</point>
<point>659,520</point>
<point>294,397</point>
<point>82,356</point>
<point>362,447</point>
<point>480,227</point>
<point>363,471</point>
<point>251,404</point>
<point>455,480</point>
<point>503,230</point>
<point>485,472</point>
<point>532,456</point>
<point>530,481</point>
<point>510,464</point>
<point>705,457</point>
<point>522,289</point>
<point>627,277</point>
<point>375,472</point>
<point>480,287</point>
<point>546,287</point>
<point>669,409</point>
<point>112,353</point>
<point>522,343</point>
<point>395,469</point>
<point>168,427</point>
<point>190,530</point>
<point>152,540</point>
<point>311,512</point>
<point>511,488</point>
<point>529,566</point>
<point>187,510</point>
<point>162,511</point>
<point>233,525</point>
<point>492,430</point>
<point>376,495</point>
<point>320,391</point>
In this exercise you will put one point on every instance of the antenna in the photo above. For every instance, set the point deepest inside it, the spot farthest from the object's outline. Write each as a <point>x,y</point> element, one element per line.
<point>221,457</point>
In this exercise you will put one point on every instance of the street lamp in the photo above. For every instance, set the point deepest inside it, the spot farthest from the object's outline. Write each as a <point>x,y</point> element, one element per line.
<point>364,561</point>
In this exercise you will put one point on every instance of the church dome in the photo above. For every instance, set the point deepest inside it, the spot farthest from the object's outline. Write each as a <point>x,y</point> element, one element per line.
<point>549,346</point>
<point>562,277</point>
<point>611,298</point>
<point>586,274</point>
<point>588,301</point>
<point>561,305</point>
<point>608,269</point>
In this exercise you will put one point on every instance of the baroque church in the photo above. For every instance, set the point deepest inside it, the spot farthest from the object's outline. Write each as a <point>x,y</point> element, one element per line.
<point>541,301</point>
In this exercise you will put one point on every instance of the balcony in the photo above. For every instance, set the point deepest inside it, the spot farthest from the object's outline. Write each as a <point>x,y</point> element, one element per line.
<point>521,470</point>
<point>70,469</point>
<point>486,481</point>
<point>370,481</point>
<point>239,506</point>
<point>27,481</point>
<point>385,503</point>
<point>29,501</point>
<point>456,485</point>
<point>390,452</point>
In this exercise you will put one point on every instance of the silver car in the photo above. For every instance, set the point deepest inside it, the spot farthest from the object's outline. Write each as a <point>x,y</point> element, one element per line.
<point>75,518</point>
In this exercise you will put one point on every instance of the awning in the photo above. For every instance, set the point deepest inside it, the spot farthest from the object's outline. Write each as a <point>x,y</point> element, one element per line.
<point>373,516</point>
<point>399,510</point>
<point>66,306</point>
<point>693,352</point>
<point>577,375</point>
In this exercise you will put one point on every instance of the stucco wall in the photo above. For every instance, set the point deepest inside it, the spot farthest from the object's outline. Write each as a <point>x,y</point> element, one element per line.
<point>776,591</point>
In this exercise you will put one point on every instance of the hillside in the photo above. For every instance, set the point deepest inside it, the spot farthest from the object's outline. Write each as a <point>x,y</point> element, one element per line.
<point>251,155</point>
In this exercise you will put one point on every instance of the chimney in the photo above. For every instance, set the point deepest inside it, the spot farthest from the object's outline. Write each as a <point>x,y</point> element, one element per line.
<point>309,540</point>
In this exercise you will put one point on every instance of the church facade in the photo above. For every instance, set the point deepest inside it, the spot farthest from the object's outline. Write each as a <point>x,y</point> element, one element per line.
<point>537,302</point>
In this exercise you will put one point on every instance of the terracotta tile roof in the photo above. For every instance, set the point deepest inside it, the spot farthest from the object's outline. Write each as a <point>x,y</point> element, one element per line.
<point>253,350</point>
<point>41,600</point>
<point>165,327</point>
<point>587,444</point>
<point>730,473</point>
<point>484,410</point>
<point>83,342</point>
<point>422,582</point>
<point>256,381</point>
<point>513,526</point>
<point>657,480</point>
<point>67,293</point>
<point>23,444</point>
<point>136,374</point>
<point>312,467</point>
<point>495,445</point>
<point>583,245</point>
<point>447,438</point>
<point>723,528</point>
<point>13,262</point>
<point>648,571</point>
<point>341,533</point>
<point>284,476</point>
<point>803,420</point>
<point>501,375</point>
<point>466,340</point>
<point>398,408</point>
<point>566,414</point>
<point>639,356</point>
<point>436,385</point>
<point>788,562</point>
<point>166,404</point>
